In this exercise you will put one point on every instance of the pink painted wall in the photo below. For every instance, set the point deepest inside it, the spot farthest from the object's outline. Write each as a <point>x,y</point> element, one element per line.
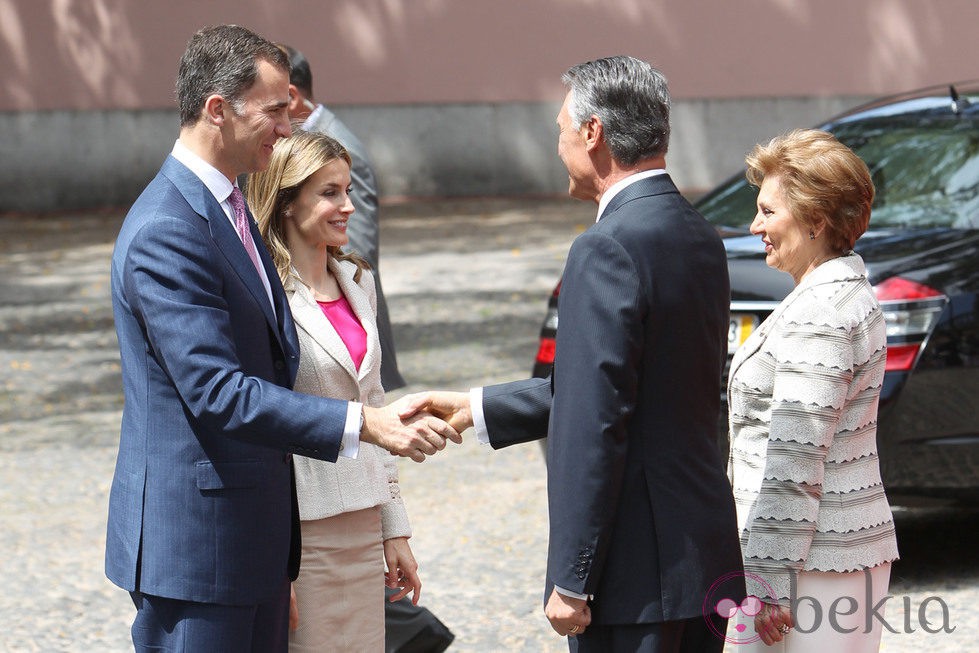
<point>112,54</point>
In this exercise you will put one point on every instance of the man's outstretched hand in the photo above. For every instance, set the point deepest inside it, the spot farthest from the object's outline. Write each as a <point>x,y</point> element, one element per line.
<point>453,407</point>
<point>414,437</point>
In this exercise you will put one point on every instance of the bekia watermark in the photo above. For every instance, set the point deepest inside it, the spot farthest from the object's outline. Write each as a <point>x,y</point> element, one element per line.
<point>931,615</point>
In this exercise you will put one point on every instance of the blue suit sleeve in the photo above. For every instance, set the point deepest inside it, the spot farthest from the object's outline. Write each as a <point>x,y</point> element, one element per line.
<point>217,351</point>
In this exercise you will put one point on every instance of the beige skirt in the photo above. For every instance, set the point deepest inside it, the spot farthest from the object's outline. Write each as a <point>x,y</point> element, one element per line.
<point>340,589</point>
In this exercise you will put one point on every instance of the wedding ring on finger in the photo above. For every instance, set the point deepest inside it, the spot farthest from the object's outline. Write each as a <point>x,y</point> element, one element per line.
<point>784,629</point>
<point>574,629</point>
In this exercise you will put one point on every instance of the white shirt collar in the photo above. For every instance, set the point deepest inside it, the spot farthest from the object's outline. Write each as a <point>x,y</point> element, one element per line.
<point>618,186</point>
<point>215,181</point>
<point>221,188</point>
<point>313,117</point>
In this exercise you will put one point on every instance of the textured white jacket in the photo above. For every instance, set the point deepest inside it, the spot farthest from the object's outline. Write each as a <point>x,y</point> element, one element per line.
<point>327,370</point>
<point>802,394</point>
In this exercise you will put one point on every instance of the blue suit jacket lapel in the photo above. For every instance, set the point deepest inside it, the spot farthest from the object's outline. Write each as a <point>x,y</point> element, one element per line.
<point>227,241</point>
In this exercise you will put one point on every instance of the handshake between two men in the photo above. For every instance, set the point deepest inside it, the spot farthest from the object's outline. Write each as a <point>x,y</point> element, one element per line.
<point>418,425</point>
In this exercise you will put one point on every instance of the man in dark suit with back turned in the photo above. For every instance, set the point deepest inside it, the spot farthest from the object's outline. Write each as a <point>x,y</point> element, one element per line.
<point>642,519</point>
<point>203,526</point>
<point>364,228</point>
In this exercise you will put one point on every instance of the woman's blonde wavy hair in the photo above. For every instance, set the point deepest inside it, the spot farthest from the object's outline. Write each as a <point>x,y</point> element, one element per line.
<point>271,192</point>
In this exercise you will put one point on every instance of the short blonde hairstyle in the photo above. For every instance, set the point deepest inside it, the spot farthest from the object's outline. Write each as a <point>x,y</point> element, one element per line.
<point>272,192</point>
<point>823,181</point>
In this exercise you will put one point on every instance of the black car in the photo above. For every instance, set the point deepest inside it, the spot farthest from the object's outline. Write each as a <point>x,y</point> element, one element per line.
<point>922,256</point>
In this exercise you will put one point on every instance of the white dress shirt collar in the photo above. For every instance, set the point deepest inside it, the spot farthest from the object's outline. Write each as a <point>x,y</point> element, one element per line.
<point>221,188</point>
<point>617,187</point>
<point>313,117</point>
<point>216,182</point>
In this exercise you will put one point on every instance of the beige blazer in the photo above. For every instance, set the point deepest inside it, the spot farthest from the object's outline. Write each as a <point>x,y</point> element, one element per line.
<point>802,394</point>
<point>327,370</point>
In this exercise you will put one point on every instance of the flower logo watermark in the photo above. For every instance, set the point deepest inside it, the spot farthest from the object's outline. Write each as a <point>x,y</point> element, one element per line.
<point>721,600</point>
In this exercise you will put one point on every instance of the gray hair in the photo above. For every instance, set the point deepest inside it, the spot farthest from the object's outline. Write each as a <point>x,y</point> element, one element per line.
<point>631,99</point>
<point>221,60</point>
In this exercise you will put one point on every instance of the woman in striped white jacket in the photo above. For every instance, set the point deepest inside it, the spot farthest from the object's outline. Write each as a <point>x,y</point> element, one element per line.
<point>803,392</point>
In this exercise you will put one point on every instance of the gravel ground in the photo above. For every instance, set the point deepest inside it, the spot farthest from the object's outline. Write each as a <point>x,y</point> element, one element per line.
<point>466,284</point>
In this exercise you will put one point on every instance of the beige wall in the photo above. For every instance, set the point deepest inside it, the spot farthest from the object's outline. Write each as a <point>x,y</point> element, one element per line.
<point>122,54</point>
<point>454,97</point>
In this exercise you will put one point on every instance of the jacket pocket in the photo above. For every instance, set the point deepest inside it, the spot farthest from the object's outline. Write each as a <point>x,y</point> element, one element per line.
<point>229,475</point>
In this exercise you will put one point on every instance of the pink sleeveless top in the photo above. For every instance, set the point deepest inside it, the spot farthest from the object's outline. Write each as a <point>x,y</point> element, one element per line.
<point>348,327</point>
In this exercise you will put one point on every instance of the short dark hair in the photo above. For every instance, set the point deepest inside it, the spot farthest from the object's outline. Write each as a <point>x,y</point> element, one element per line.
<point>221,60</point>
<point>631,99</point>
<point>300,75</point>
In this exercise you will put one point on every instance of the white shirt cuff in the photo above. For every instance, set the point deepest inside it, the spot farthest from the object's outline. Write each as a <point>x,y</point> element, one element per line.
<point>574,595</point>
<point>479,420</point>
<point>350,444</point>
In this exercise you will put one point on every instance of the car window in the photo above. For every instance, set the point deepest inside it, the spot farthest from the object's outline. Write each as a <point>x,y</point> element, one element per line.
<point>731,205</point>
<point>925,170</point>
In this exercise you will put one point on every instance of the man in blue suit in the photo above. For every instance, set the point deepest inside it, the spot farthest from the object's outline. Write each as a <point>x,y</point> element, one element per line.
<point>642,519</point>
<point>203,520</point>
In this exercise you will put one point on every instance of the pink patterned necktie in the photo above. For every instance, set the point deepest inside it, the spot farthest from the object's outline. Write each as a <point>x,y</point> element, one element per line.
<point>241,222</point>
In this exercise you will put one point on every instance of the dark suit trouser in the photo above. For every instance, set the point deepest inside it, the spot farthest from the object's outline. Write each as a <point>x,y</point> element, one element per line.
<point>391,378</point>
<point>686,636</point>
<point>178,626</point>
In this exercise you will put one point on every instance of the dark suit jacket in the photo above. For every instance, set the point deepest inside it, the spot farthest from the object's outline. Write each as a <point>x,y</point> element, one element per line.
<point>364,231</point>
<point>641,512</point>
<point>202,505</point>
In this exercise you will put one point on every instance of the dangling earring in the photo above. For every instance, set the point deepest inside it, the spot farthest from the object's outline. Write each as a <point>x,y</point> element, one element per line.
<point>812,236</point>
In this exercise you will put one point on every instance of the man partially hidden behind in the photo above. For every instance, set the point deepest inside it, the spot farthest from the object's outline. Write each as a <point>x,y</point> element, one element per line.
<point>642,519</point>
<point>203,521</point>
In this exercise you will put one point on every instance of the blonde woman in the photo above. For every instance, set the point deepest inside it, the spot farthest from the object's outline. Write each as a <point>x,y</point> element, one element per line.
<point>803,394</point>
<point>353,519</point>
